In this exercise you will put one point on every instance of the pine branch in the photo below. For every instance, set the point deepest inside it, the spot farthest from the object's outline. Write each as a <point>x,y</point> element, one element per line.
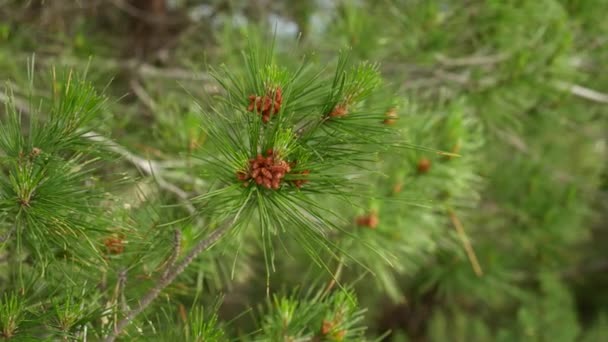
<point>149,167</point>
<point>172,273</point>
<point>177,247</point>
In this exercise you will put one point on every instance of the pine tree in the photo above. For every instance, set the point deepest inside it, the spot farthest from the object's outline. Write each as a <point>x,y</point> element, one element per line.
<point>402,171</point>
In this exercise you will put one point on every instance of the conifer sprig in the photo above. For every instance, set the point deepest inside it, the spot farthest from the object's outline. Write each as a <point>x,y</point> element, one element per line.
<point>48,189</point>
<point>316,317</point>
<point>274,145</point>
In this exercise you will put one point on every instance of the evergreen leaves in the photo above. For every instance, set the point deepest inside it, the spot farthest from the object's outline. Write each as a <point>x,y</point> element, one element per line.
<point>271,167</point>
<point>48,188</point>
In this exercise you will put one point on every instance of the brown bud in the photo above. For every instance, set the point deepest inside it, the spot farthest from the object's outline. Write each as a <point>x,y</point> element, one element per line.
<point>339,111</point>
<point>275,184</point>
<point>35,152</point>
<point>424,165</point>
<point>114,245</point>
<point>266,173</point>
<point>370,221</point>
<point>391,117</point>
<point>241,175</point>
<point>397,187</point>
<point>326,327</point>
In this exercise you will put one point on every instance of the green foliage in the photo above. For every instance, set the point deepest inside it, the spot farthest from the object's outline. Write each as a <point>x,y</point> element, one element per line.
<point>320,317</point>
<point>12,314</point>
<point>453,189</point>
<point>48,190</point>
<point>303,135</point>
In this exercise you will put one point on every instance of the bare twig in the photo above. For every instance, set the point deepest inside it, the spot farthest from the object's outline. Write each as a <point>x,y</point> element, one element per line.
<point>143,95</point>
<point>122,283</point>
<point>583,92</point>
<point>177,247</point>
<point>466,243</point>
<point>163,282</point>
<point>149,167</point>
<point>471,60</point>
<point>134,65</point>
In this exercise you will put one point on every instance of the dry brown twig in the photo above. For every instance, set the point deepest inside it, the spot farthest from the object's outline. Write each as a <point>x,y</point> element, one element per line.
<point>171,273</point>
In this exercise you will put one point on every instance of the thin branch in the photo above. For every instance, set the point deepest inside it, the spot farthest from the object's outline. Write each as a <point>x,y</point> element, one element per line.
<point>165,281</point>
<point>133,65</point>
<point>177,247</point>
<point>466,243</point>
<point>122,283</point>
<point>471,60</point>
<point>583,92</point>
<point>143,95</point>
<point>149,167</point>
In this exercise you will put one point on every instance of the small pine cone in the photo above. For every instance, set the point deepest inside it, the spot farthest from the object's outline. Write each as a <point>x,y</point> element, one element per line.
<point>243,176</point>
<point>424,166</point>
<point>277,168</point>
<point>370,221</point>
<point>266,173</point>
<point>276,184</point>
<point>391,117</point>
<point>35,152</point>
<point>259,103</point>
<point>252,101</point>
<point>326,327</point>
<point>114,245</point>
<point>339,111</point>
<point>278,95</point>
<point>267,104</point>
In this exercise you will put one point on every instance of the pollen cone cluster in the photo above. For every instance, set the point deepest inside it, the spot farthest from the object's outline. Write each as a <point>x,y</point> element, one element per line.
<point>267,171</point>
<point>370,220</point>
<point>339,111</point>
<point>267,105</point>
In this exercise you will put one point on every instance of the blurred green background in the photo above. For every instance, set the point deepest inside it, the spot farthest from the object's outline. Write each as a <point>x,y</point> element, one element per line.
<point>514,246</point>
